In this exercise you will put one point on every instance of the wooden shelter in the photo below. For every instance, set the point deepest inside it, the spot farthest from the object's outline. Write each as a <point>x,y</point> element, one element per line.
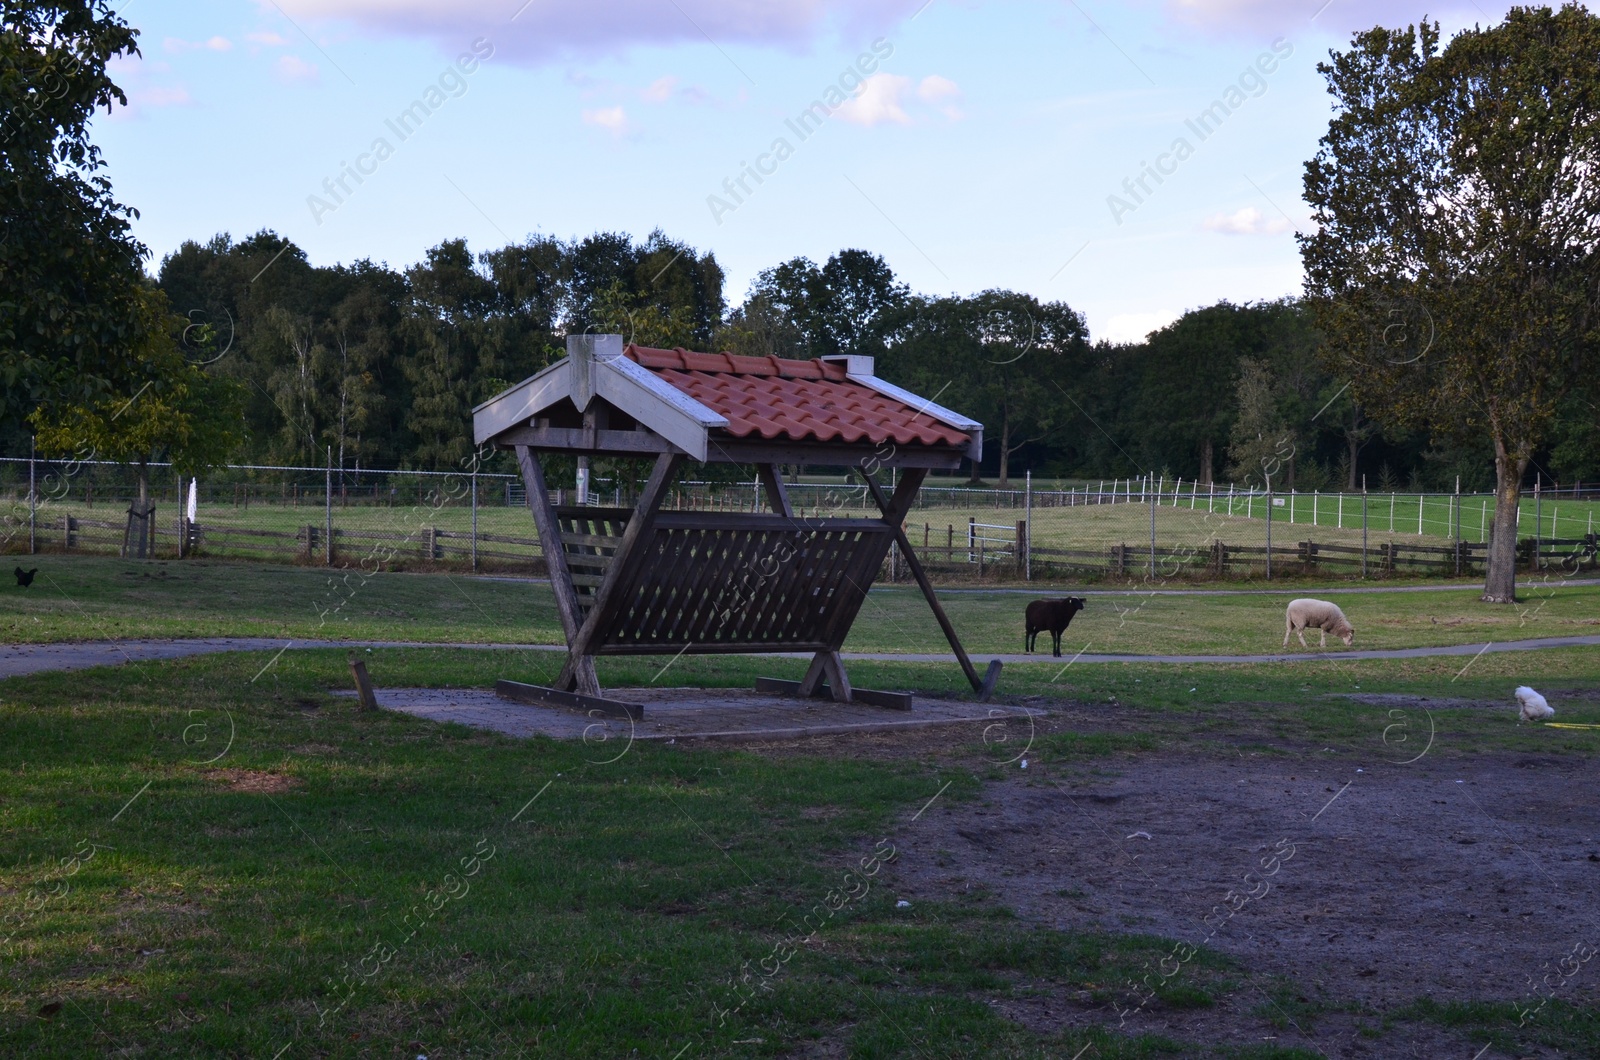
<point>644,581</point>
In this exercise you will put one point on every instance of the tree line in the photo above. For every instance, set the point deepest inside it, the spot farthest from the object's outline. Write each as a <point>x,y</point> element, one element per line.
<point>382,367</point>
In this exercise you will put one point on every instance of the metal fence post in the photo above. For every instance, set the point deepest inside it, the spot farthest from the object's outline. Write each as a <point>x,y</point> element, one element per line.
<point>1363,526</point>
<point>1269,529</point>
<point>327,507</point>
<point>1155,498</point>
<point>474,521</point>
<point>1538,519</point>
<point>33,500</point>
<point>1027,522</point>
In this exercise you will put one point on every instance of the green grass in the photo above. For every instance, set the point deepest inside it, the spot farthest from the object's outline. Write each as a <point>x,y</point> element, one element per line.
<point>611,908</point>
<point>89,598</point>
<point>626,903</point>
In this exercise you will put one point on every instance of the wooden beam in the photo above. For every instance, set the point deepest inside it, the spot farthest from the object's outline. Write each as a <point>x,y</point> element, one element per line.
<point>812,681</point>
<point>540,696</point>
<point>984,685</point>
<point>762,521</point>
<point>838,683</point>
<point>892,700</point>
<point>777,496</point>
<point>624,562</point>
<point>555,556</point>
<point>578,440</point>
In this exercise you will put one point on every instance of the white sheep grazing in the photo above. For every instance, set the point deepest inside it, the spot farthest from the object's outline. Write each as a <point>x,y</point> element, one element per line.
<point>1534,708</point>
<point>1319,615</point>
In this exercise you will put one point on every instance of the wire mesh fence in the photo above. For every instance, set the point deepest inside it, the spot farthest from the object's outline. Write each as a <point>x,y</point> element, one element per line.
<point>1118,529</point>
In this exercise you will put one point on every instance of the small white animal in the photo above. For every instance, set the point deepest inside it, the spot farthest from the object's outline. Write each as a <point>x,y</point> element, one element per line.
<point>1534,708</point>
<point>1320,615</point>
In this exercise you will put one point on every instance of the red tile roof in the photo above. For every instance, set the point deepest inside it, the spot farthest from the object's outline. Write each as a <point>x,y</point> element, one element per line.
<point>775,398</point>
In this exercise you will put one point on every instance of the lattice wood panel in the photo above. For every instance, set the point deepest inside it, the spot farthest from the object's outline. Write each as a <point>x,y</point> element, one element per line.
<point>744,583</point>
<point>589,537</point>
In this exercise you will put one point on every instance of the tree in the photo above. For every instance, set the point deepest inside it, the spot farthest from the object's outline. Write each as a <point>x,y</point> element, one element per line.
<point>997,356</point>
<point>177,410</point>
<point>70,271</point>
<point>1454,269</point>
<point>1260,442</point>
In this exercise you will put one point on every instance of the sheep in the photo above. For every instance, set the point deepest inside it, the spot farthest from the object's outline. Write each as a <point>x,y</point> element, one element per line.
<point>1320,615</point>
<point>1054,615</point>
<point>1534,708</point>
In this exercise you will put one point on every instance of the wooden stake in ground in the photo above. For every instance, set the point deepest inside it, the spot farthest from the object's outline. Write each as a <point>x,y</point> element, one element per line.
<point>364,694</point>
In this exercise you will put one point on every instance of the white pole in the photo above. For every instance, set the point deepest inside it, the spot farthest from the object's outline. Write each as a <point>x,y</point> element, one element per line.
<point>1313,507</point>
<point>1341,509</point>
<point>1483,522</point>
<point>1027,521</point>
<point>1291,506</point>
<point>1419,514</point>
<point>1391,513</point>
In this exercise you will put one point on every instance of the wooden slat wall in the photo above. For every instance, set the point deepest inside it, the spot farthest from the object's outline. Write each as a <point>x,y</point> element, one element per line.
<point>589,537</point>
<point>774,584</point>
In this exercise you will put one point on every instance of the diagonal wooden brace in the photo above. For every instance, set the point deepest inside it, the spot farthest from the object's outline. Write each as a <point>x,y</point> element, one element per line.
<point>894,514</point>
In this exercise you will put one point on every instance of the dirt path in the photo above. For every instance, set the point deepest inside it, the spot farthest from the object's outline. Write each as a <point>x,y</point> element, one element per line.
<point>19,659</point>
<point>1459,878</point>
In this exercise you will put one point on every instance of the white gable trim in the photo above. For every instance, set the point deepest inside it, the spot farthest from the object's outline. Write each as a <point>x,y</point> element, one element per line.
<point>653,402</point>
<point>973,428</point>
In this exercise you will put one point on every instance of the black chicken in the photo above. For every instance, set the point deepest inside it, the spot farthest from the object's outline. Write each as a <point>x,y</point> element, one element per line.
<point>25,577</point>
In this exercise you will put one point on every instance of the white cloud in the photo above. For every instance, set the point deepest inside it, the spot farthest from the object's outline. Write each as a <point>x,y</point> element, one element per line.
<point>268,39</point>
<point>660,90</point>
<point>612,119</point>
<point>177,45</point>
<point>1133,327</point>
<point>878,100</point>
<point>1248,221</point>
<point>935,90</point>
<point>552,27</point>
<point>294,70</point>
<point>1262,19</point>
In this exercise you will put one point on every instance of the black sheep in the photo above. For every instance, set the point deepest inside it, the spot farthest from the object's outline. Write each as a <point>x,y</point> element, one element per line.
<point>25,577</point>
<point>1054,615</point>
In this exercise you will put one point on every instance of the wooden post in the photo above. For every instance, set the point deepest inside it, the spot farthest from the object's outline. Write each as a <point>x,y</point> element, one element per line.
<point>1023,546</point>
<point>364,693</point>
<point>555,557</point>
<point>579,667</point>
<point>777,496</point>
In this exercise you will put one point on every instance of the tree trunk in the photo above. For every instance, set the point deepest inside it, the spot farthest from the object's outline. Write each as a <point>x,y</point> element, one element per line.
<point>142,549</point>
<point>1353,442</point>
<point>1500,578</point>
<point>1207,456</point>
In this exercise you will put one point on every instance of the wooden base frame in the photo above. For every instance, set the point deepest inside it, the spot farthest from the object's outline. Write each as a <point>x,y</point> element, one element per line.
<point>893,700</point>
<point>540,696</point>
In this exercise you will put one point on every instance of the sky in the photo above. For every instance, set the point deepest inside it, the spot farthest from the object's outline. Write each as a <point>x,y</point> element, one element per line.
<point>1070,150</point>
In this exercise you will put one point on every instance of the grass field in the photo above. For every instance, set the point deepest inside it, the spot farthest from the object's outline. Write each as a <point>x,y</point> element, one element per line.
<point>96,598</point>
<point>310,881</point>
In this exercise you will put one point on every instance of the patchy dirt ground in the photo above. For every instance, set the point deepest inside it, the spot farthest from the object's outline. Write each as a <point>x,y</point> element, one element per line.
<point>254,780</point>
<point>1369,886</point>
